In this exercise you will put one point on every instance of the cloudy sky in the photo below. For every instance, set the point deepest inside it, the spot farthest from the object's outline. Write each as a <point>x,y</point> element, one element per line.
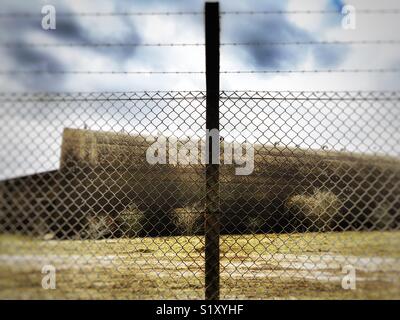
<point>190,29</point>
<point>31,133</point>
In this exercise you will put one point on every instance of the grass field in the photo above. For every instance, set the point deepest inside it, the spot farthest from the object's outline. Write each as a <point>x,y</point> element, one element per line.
<point>295,266</point>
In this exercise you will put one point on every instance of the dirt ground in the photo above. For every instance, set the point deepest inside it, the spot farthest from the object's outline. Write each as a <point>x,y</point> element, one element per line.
<point>285,266</point>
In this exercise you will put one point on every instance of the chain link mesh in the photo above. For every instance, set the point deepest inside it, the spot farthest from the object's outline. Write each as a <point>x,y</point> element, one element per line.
<point>77,193</point>
<point>323,197</point>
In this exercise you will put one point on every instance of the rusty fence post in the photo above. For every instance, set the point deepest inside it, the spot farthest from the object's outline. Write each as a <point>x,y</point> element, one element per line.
<point>212,228</point>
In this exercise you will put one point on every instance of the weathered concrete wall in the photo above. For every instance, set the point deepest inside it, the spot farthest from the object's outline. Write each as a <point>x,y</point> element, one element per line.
<point>103,173</point>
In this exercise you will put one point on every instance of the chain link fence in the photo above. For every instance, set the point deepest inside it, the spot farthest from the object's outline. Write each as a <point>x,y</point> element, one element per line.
<point>109,190</point>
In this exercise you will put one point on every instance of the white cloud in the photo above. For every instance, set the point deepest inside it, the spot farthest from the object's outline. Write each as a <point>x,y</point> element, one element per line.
<point>190,29</point>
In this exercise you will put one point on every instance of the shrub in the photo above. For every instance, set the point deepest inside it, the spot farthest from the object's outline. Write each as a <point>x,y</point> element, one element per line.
<point>130,221</point>
<point>99,226</point>
<point>190,219</point>
<point>316,212</point>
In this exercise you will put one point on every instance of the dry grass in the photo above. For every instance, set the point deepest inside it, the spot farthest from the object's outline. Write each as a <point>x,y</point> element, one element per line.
<point>253,266</point>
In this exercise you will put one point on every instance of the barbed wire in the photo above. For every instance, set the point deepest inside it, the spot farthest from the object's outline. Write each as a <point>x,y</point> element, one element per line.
<point>277,71</point>
<point>17,97</point>
<point>193,13</point>
<point>98,99</point>
<point>99,14</point>
<point>88,72</point>
<point>198,44</point>
<point>267,12</point>
<point>334,42</point>
<point>199,95</point>
<point>379,70</point>
<point>56,45</point>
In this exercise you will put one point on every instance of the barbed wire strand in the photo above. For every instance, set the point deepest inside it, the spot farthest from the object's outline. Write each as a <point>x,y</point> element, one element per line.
<point>334,42</point>
<point>88,72</point>
<point>64,97</point>
<point>272,43</point>
<point>267,12</point>
<point>17,45</point>
<point>193,13</point>
<point>379,70</point>
<point>99,14</point>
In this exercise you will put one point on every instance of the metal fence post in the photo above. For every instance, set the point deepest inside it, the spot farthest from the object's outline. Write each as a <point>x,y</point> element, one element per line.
<point>212,31</point>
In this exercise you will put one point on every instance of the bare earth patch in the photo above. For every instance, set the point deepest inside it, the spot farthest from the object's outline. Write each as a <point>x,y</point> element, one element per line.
<point>286,266</point>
